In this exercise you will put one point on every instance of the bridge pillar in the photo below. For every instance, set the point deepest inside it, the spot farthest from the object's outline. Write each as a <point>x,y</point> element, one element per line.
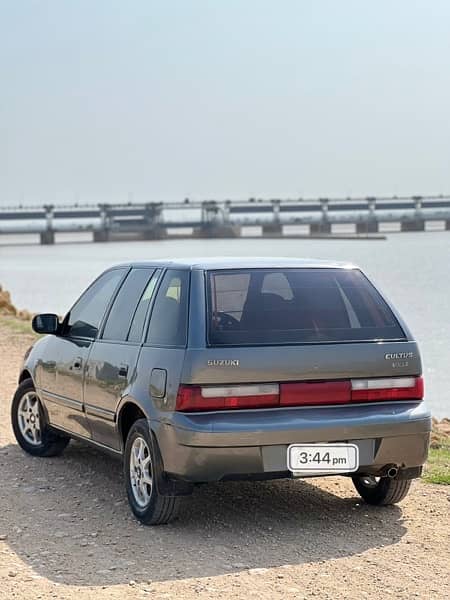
<point>320,227</point>
<point>272,229</point>
<point>226,210</point>
<point>372,222</point>
<point>369,226</point>
<point>47,237</point>
<point>417,203</point>
<point>217,230</point>
<point>371,203</point>
<point>101,235</point>
<point>416,224</point>
<point>215,222</point>
<point>154,232</point>
<point>324,225</point>
<point>154,228</point>
<point>211,213</point>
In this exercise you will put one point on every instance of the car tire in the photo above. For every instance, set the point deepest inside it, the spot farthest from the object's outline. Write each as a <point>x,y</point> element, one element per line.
<point>29,424</point>
<point>143,474</point>
<point>383,491</point>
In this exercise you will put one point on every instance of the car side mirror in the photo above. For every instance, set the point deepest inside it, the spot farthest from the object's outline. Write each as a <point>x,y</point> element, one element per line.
<point>45,323</point>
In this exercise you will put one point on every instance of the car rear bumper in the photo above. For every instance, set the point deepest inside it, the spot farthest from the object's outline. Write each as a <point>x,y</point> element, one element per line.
<point>253,444</point>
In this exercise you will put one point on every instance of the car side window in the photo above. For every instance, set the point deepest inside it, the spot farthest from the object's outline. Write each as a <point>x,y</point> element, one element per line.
<point>137,325</point>
<point>168,322</point>
<point>85,317</point>
<point>125,304</point>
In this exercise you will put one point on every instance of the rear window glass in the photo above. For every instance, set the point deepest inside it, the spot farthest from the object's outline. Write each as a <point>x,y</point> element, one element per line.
<point>296,306</point>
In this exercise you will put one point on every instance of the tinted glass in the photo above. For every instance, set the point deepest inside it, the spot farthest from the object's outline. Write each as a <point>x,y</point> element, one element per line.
<point>85,317</point>
<point>296,306</point>
<point>168,323</point>
<point>123,309</point>
<point>137,325</point>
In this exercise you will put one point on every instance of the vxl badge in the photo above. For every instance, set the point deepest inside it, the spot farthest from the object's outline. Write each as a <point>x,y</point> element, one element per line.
<point>399,359</point>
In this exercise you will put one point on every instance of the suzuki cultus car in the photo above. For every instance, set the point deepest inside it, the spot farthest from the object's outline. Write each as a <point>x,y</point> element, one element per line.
<point>221,369</point>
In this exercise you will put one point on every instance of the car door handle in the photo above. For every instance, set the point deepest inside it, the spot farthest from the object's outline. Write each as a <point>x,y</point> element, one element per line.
<point>123,370</point>
<point>77,363</point>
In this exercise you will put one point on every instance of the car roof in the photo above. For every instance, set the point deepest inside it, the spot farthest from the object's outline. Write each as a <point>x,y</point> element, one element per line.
<point>241,262</point>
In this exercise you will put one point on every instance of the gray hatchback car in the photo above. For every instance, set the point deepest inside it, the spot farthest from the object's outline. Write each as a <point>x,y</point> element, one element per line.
<point>196,371</point>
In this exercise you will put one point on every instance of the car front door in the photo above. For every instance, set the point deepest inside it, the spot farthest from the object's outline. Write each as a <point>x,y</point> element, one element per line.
<point>61,372</point>
<point>111,366</point>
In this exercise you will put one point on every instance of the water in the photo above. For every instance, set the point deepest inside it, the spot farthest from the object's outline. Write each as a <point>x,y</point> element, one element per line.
<point>413,270</point>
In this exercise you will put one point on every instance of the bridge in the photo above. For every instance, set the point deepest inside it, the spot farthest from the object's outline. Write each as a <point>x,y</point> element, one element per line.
<point>225,218</point>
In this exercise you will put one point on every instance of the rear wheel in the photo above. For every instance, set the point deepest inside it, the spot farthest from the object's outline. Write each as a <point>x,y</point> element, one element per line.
<point>142,472</point>
<point>381,490</point>
<point>29,424</point>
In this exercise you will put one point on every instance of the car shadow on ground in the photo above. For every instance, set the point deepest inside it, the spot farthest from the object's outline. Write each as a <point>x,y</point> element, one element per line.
<point>68,518</point>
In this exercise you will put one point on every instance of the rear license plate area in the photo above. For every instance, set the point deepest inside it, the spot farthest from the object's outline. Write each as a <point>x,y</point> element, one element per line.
<point>322,459</point>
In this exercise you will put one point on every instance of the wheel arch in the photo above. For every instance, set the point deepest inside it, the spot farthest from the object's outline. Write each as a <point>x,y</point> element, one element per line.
<point>25,374</point>
<point>128,413</point>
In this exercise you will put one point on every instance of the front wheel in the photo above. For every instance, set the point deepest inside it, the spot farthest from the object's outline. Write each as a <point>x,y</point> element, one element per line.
<point>29,425</point>
<point>381,490</point>
<point>142,471</point>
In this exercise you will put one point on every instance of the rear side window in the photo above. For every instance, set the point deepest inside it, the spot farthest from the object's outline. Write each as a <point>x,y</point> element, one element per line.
<point>137,325</point>
<point>296,306</point>
<point>168,321</point>
<point>125,304</point>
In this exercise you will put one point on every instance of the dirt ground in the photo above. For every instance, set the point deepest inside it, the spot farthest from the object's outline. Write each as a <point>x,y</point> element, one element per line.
<point>66,532</point>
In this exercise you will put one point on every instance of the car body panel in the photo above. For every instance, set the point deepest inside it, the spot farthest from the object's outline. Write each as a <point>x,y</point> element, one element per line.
<point>293,363</point>
<point>170,360</point>
<point>213,446</point>
<point>257,427</point>
<point>59,375</point>
<point>109,376</point>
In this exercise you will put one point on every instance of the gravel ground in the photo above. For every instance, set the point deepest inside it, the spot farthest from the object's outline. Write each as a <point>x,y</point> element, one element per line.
<point>66,532</point>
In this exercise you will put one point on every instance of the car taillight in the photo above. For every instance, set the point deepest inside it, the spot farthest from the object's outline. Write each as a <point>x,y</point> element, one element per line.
<point>192,398</point>
<point>196,398</point>
<point>315,392</point>
<point>388,388</point>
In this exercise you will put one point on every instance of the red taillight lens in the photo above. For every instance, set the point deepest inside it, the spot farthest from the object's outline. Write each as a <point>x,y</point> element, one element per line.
<point>389,388</point>
<point>193,398</point>
<point>189,397</point>
<point>315,392</point>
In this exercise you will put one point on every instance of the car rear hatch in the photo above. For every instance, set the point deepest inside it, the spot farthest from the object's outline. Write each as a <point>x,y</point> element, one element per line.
<point>298,337</point>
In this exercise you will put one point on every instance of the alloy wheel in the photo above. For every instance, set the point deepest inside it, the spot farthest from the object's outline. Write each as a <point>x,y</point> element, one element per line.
<point>141,472</point>
<point>29,418</point>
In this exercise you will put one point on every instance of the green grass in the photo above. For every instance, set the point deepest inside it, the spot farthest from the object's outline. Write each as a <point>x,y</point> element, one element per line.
<point>16,325</point>
<point>437,469</point>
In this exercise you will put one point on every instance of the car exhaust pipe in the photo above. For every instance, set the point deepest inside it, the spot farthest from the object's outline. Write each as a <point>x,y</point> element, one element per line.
<point>392,471</point>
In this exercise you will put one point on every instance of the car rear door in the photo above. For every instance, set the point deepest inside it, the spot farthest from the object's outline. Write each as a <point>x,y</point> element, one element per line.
<point>112,361</point>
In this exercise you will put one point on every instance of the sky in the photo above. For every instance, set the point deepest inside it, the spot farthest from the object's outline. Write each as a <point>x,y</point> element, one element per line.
<point>162,100</point>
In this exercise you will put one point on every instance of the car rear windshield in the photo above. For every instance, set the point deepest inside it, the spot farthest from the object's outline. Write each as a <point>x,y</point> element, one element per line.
<point>296,306</point>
